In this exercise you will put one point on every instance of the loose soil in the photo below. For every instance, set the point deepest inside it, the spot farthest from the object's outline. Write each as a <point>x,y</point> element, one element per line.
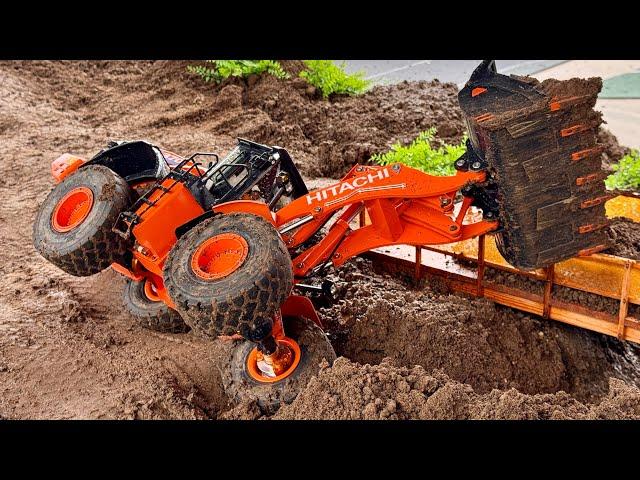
<point>624,235</point>
<point>68,350</point>
<point>349,391</point>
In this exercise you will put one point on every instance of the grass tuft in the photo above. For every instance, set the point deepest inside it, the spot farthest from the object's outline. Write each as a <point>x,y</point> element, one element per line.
<point>420,154</point>
<point>331,79</point>
<point>223,69</point>
<point>626,174</point>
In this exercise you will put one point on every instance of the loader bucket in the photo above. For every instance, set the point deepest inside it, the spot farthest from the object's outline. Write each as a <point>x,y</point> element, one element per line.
<point>539,141</point>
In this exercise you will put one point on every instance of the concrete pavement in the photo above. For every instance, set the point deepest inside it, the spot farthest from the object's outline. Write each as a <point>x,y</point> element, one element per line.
<point>456,71</point>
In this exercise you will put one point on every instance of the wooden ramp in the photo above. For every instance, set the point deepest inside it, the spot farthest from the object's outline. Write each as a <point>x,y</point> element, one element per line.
<point>599,274</point>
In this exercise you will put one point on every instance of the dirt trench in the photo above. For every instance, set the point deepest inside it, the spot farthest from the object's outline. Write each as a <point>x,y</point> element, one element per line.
<point>68,350</point>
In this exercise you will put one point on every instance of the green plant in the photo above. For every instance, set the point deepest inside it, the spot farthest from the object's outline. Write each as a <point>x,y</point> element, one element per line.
<point>223,69</point>
<point>626,174</point>
<point>420,154</point>
<point>331,79</point>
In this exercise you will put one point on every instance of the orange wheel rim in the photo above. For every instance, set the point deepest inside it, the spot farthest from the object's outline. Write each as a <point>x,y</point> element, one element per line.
<point>150,291</point>
<point>255,373</point>
<point>219,256</point>
<point>72,209</point>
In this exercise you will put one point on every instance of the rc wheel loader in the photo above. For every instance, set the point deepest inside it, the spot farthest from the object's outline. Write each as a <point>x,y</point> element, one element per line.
<point>228,247</point>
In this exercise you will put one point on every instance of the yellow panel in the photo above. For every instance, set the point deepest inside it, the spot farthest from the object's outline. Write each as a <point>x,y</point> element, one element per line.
<point>600,274</point>
<point>623,206</point>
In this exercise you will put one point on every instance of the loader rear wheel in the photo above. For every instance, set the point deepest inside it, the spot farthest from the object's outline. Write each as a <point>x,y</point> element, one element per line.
<point>73,226</point>
<point>241,385</point>
<point>150,312</point>
<point>228,275</point>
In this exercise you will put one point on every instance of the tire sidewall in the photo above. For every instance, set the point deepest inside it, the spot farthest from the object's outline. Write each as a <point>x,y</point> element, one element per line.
<point>64,243</point>
<point>150,314</point>
<point>314,347</point>
<point>243,300</point>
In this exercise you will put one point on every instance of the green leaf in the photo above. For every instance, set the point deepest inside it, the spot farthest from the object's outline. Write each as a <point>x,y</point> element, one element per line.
<point>626,174</point>
<point>420,154</point>
<point>331,79</point>
<point>223,69</point>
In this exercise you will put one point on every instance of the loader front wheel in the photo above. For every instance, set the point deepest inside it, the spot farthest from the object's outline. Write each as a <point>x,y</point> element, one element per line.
<point>149,311</point>
<point>228,275</point>
<point>239,378</point>
<point>73,226</point>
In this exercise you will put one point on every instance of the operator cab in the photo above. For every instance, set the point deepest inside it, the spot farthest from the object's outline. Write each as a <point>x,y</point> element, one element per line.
<point>250,171</point>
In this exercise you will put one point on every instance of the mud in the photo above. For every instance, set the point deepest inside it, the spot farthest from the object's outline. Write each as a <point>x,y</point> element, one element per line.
<point>624,235</point>
<point>473,341</point>
<point>68,350</point>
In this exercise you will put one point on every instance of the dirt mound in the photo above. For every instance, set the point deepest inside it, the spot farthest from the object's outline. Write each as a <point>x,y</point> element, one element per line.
<point>331,137</point>
<point>613,151</point>
<point>473,341</point>
<point>324,137</point>
<point>349,391</point>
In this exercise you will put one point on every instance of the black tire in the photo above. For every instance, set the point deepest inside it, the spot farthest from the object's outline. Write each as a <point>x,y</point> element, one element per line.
<point>241,387</point>
<point>244,301</point>
<point>151,314</point>
<point>91,246</point>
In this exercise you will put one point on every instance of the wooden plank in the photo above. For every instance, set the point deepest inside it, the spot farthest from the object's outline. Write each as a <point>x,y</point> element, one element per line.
<point>418,269</point>
<point>624,304</point>
<point>548,288</point>
<point>571,314</point>
<point>599,274</point>
<point>481,249</point>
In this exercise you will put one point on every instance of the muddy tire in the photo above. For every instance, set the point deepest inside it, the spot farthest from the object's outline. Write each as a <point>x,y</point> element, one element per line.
<point>87,247</point>
<point>241,387</point>
<point>242,301</point>
<point>152,314</point>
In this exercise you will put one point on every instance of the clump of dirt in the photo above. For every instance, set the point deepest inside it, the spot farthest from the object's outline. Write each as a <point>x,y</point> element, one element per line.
<point>586,300</point>
<point>501,277</point>
<point>624,235</point>
<point>349,391</point>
